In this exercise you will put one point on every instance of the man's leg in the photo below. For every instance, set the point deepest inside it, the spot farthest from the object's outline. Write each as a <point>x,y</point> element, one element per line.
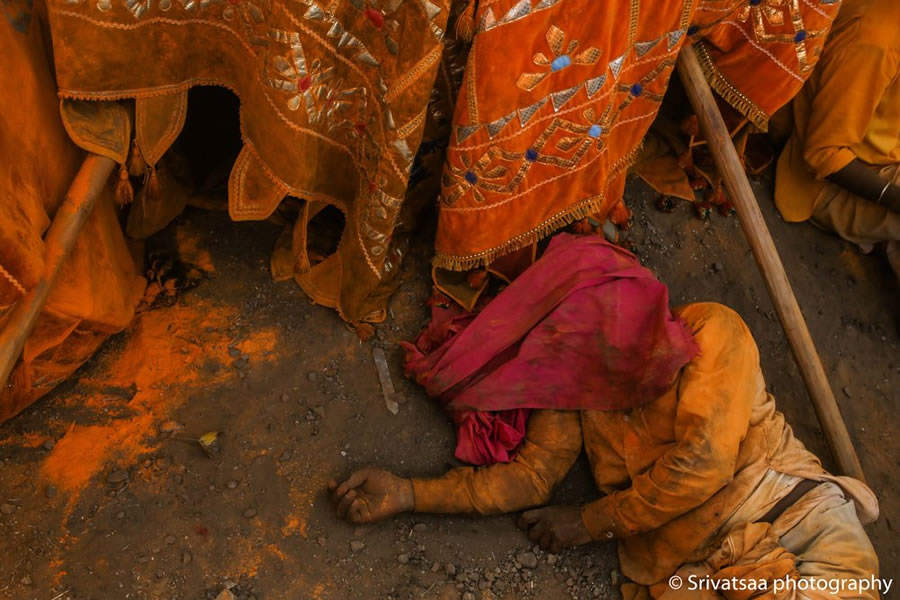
<point>830,544</point>
<point>856,219</point>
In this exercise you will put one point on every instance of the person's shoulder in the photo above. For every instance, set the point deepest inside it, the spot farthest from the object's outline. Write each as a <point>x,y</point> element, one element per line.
<point>713,324</point>
<point>872,23</point>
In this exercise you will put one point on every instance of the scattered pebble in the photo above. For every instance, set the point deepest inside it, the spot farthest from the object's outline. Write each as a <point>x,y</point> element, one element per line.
<point>51,491</point>
<point>249,513</point>
<point>170,539</point>
<point>226,595</point>
<point>357,545</point>
<point>186,558</point>
<point>311,376</point>
<point>231,484</point>
<point>419,527</point>
<point>120,515</point>
<point>49,445</point>
<point>7,509</point>
<point>403,559</point>
<point>527,560</point>
<point>118,476</point>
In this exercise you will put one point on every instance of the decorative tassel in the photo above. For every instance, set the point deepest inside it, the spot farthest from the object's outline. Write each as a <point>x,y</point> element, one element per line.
<point>582,227</point>
<point>620,215</point>
<point>136,164</point>
<point>465,24</point>
<point>151,186</point>
<point>702,210</point>
<point>666,203</point>
<point>124,191</point>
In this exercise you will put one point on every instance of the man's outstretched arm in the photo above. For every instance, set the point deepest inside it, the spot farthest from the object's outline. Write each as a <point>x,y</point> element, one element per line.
<point>552,445</point>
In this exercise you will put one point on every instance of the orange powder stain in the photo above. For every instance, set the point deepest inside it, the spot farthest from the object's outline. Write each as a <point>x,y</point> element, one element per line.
<point>273,549</point>
<point>191,252</point>
<point>161,360</point>
<point>29,439</point>
<point>294,525</point>
<point>302,499</point>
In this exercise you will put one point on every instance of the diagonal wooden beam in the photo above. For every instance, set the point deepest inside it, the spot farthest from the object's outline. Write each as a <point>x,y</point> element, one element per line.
<point>769,262</point>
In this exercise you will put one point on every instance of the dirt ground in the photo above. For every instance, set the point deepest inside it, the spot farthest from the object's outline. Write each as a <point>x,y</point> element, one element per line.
<point>105,495</point>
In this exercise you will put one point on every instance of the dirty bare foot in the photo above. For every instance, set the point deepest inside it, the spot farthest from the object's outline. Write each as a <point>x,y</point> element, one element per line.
<point>371,495</point>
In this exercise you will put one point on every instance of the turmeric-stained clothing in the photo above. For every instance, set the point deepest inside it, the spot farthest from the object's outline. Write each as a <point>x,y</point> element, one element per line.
<point>849,108</point>
<point>817,540</point>
<point>674,470</point>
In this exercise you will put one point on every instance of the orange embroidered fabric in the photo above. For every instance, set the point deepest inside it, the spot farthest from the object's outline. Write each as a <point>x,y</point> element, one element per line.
<point>333,103</point>
<point>99,286</point>
<point>558,94</point>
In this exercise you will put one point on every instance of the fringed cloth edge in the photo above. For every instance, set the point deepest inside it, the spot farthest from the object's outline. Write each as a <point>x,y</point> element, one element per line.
<point>720,84</point>
<point>576,212</point>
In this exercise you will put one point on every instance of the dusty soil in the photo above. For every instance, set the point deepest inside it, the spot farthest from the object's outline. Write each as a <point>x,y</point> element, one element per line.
<point>105,495</point>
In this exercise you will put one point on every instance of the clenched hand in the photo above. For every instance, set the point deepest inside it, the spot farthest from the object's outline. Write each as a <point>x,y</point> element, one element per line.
<point>555,527</point>
<point>371,495</point>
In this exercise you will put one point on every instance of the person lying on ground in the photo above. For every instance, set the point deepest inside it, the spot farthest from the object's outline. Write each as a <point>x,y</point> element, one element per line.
<point>708,478</point>
<point>840,166</point>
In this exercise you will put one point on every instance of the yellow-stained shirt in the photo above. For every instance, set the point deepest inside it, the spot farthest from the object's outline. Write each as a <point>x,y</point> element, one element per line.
<point>849,107</point>
<point>673,470</point>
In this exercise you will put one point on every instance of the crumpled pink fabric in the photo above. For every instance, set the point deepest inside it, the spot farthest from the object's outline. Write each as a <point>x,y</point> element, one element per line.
<point>584,328</point>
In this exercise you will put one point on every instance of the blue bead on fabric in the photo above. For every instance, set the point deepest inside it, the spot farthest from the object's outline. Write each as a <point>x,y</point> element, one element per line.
<point>560,62</point>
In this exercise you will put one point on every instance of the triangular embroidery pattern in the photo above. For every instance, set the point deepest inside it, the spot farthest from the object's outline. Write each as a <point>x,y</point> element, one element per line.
<point>495,127</point>
<point>642,48</point>
<point>488,20</point>
<point>403,148</point>
<point>526,113</point>
<point>521,9</point>
<point>431,9</point>
<point>616,66</point>
<point>548,3</point>
<point>560,98</point>
<point>673,37</point>
<point>367,58</point>
<point>314,13</point>
<point>465,132</point>
<point>592,86</point>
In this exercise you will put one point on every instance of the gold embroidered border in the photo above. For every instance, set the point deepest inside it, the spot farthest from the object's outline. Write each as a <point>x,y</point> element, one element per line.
<point>729,92</point>
<point>15,282</point>
<point>578,211</point>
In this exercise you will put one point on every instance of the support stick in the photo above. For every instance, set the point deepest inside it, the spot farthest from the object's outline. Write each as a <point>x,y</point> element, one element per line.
<point>58,243</point>
<point>760,240</point>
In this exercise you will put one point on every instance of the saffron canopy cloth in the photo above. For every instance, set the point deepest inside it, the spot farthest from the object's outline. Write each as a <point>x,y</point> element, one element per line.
<point>99,285</point>
<point>539,129</point>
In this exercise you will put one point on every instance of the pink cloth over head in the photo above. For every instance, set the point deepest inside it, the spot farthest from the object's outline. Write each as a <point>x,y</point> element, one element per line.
<point>584,328</point>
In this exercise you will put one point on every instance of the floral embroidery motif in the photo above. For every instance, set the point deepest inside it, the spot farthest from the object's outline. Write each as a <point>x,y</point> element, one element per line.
<point>773,13</point>
<point>563,56</point>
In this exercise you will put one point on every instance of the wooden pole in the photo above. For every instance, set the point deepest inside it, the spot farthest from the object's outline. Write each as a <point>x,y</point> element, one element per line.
<point>760,240</point>
<point>58,243</point>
